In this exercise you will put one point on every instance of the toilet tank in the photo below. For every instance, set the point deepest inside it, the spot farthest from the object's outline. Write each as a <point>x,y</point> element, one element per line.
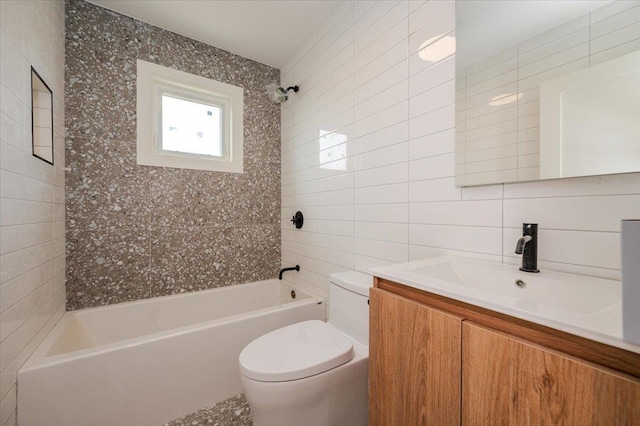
<point>349,304</point>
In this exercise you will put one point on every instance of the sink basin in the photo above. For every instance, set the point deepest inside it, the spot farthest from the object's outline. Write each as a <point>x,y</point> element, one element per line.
<point>586,306</point>
<point>572,293</point>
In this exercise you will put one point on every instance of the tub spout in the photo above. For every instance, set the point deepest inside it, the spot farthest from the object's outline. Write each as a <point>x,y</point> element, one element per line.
<point>294,268</point>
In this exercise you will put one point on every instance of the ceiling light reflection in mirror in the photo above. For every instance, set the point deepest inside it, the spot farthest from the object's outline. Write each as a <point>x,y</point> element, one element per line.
<point>437,48</point>
<point>504,99</point>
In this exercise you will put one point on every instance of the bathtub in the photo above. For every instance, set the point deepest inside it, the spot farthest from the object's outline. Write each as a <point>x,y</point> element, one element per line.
<point>151,361</point>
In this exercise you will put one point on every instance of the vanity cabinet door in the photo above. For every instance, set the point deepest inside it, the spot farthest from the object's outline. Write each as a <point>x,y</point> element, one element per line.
<point>510,381</point>
<point>414,363</point>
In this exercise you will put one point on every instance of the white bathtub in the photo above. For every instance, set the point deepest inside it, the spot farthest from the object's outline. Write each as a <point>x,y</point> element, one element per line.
<point>151,361</point>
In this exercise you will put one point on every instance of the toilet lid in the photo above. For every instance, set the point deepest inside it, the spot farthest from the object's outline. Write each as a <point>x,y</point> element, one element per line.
<point>295,352</point>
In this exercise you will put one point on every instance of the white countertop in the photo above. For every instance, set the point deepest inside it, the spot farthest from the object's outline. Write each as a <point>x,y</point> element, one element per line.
<point>585,306</point>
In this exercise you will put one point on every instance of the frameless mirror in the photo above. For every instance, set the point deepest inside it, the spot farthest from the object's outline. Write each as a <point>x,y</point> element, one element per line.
<point>41,118</point>
<point>546,89</point>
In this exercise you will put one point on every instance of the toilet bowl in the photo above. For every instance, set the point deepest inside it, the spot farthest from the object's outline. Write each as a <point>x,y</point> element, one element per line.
<point>314,373</point>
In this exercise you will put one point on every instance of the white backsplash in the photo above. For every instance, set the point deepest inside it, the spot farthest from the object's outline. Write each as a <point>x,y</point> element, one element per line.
<point>368,156</point>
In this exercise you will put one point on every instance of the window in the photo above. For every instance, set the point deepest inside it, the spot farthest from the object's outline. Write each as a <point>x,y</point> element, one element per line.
<point>187,121</point>
<point>191,127</point>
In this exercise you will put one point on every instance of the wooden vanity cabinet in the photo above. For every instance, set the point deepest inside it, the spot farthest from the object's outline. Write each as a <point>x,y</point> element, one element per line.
<point>509,381</point>
<point>434,366</point>
<point>414,349</point>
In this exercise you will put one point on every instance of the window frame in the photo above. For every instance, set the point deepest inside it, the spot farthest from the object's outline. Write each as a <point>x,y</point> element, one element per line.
<point>155,80</point>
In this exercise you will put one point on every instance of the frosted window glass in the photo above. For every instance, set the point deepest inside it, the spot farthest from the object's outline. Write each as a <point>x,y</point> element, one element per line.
<point>191,127</point>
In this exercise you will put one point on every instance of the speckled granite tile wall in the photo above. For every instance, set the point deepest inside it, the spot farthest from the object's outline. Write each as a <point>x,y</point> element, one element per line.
<point>135,232</point>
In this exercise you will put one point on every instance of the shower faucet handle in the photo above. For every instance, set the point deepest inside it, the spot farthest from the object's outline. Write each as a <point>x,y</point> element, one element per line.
<point>298,219</point>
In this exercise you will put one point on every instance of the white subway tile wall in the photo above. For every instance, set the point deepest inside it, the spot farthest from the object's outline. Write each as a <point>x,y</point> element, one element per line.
<point>368,153</point>
<point>32,241</point>
<point>499,142</point>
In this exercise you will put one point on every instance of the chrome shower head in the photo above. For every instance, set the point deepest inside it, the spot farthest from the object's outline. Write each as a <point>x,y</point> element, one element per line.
<point>280,94</point>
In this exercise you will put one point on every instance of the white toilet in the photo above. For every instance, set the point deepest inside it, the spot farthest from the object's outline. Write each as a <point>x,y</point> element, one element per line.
<point>314,373</point>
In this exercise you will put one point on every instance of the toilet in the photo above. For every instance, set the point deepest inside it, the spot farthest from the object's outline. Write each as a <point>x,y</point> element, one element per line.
<point>314,373</point>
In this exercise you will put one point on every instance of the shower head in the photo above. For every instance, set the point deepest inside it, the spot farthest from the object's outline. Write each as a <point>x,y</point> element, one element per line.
<point>280,94</point>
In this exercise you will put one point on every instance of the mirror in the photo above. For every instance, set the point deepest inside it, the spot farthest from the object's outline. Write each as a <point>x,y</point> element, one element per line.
<point>546,89</point>
<point>41,118</point>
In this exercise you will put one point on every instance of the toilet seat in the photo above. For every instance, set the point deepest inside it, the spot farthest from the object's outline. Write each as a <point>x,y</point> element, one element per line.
<point>294,352</point>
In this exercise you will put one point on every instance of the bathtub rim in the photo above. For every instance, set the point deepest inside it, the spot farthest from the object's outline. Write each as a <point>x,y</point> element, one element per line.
<point>40,358</point>
<point>189,294</point>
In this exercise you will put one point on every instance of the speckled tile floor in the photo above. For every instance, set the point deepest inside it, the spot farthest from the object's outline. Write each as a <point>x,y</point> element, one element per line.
<point>233,411</point>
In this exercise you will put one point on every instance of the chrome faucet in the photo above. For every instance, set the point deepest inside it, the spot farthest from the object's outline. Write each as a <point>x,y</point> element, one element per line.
<point>527,246</point>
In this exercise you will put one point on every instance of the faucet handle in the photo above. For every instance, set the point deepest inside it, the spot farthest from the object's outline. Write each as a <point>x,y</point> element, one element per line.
<point>298,220</point>
<point>529,228</point>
